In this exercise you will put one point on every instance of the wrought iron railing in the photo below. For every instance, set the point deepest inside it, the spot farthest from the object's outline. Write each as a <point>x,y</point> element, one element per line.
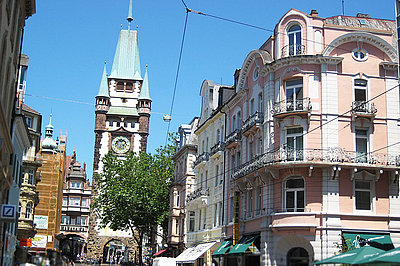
<point>332,155</point>
<point>286,106</point>
<point>197,193</point>
<point>254,119</point>
<point>293,49</point>
<point>216,148</point>
<point>202,157</point>
<point>233,136</point>
<point>363,107</point>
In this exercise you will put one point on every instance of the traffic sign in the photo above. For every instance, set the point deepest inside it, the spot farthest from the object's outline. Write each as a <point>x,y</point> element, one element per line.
<point>8,212</point>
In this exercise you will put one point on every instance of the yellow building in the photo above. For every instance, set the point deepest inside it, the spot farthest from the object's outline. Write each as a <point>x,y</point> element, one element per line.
<point>48,212</point>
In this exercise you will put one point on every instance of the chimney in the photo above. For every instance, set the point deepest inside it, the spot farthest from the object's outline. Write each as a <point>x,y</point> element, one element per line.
<point>314,13</point>
<point>362,15</point>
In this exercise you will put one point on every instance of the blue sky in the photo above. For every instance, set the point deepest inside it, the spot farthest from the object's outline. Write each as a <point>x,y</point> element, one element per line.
<point>68,41</point>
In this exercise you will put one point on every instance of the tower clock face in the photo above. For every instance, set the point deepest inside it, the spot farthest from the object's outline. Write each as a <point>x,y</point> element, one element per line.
<point>120,144</point>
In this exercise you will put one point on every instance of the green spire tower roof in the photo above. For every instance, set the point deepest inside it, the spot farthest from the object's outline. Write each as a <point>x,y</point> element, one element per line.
<point>103,88</point>
<point>126,64</point>
<point>145,90</point>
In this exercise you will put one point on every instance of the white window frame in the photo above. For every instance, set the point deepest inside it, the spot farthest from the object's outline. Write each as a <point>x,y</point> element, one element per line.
<point>296,192</point>
<point>28,211</point>
<point>361,136</point>
<point>367,178</point>
<point>296,40</point>
<point>295,140</point>
<point>250,203</point>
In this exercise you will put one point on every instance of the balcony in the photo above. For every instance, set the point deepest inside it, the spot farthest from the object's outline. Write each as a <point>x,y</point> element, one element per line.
<point>287,155</point>
<point>363,109</point>
<point>75,208</point>
<point>285,108</point>
<point>252,123</point>
<point>198,193</point>
<point>293,49</point>
<point>216,149</point>
<point>201,158</point>
<point>36,160</point>
<point>74,228</point>
<point>231,139</point>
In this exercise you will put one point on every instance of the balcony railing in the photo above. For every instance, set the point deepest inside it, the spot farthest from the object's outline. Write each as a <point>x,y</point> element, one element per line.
<point>234,136</point>
<point>74,228</point>
<point>253,120</point>
<point>293,49</point>
<point>329,156</point>
<point>216,148</point>
<point>363,108</point>
<point>302,105</point>
<point>197,193</point>
<point>202,157</point>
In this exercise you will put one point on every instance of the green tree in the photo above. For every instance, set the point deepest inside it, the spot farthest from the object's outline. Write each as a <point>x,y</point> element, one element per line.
<point>133,192</point>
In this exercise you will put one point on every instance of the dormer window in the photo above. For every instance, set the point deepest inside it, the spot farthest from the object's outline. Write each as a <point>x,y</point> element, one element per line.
<point>294,40</point>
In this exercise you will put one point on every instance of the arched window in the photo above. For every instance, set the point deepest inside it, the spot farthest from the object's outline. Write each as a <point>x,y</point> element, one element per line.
<point>297,256</point>
<point>28,210</point>
<point>294,40</point>
<point>294,194</point>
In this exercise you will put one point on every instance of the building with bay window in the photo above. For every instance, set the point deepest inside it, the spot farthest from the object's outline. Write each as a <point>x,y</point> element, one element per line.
<point>75,209</point>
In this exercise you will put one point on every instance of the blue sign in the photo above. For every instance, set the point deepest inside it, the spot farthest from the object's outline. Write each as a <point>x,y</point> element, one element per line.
<point>8,212</point>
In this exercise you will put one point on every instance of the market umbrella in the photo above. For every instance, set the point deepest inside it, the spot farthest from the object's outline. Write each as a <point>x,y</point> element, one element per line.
<point>355,256</point>
<point>388,256</point>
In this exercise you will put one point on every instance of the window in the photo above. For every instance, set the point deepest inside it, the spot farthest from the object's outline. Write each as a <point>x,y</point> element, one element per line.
<point>221,178</point>
<point>233,162</point>
<point>294,142</point>
<point>65,201</point>
<point>63,219</point>
<point>294,40</point>
<point>258,200</point>
<point>250,203</point>
<point>74,201</point>
<point>231,209</point>
<point>233,122</point>
<point>205,181</point>
<point>191,221</point>
<point>84,220</point>
<point>251,150</point>
<point>360,54</point>
<point>361,145</point>
<point>129,86</point>
<point>28,210</point>
<point>31,177</point>
<point>239,120</point>
<point>238,158</point>
<point>84,202</point>
<point>360,90</point>
<point>215,214</point>
<point>177,199</point>
<point>252,106</point>
<point>204,218</point>
<point>120,86</point>
<point>218,136</point>
<point>28,121</point>
<point>260,103</point>
<point>217,175</point>
<point>294,195</point>
<point>362,191</point>
<point>200,219</point>
<point>78,220</point>
<point>294,95</point>
<point>176,227</point>
<point>74,184</point>
<point>73,220</point>
<point>67,220</point>
<point>256,73</point>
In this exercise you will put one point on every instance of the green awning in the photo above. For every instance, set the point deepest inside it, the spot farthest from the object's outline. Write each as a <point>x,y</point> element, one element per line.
<point>244,244</point>
<point>223,248</point>
<point>355,256</point>
<point>356,240</point>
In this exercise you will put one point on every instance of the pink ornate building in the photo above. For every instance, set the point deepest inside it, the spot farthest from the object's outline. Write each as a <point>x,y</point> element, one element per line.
<point>312,152</point>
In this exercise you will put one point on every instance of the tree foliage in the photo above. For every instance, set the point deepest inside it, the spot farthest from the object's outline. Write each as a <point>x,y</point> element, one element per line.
<point>133,192</point>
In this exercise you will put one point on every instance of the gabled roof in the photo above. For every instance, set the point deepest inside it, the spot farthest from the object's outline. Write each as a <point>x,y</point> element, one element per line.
<point>103,88</point>
<point>126,64</point>
<point>29,109</point>
<point>145,90</point>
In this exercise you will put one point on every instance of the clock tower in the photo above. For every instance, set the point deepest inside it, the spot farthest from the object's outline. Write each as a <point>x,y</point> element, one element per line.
<point>123,107</point>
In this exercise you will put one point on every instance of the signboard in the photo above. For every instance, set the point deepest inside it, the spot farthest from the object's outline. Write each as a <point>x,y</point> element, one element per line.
<point>25,242</point>
<point>236,214</point>
<point>39,241</point>
<point>8,212</point>
<point>41,221</point>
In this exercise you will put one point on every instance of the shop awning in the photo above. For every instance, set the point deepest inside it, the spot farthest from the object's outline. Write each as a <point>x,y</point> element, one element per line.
<point>191,254</point>
<point>223,248</point>
<point>356,240</point>
<point>159,252</point>
<point>244,244</point>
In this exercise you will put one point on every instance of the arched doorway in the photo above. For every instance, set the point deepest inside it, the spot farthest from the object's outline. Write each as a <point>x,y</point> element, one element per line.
<point>73,246</point>
<point>297,257</point>
<point>113,251</point>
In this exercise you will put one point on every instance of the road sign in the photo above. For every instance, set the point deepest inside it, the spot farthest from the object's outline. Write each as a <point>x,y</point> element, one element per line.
<point>8,212</point>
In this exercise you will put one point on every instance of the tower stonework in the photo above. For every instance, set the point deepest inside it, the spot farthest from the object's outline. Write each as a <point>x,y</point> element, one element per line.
<point>123,108</point>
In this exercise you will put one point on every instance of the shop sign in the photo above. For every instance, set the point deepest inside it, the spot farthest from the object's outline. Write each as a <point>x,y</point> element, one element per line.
<point>41,221</point>
<point>39,241</point>
<point>25,242</point>
<point>8,212</point>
